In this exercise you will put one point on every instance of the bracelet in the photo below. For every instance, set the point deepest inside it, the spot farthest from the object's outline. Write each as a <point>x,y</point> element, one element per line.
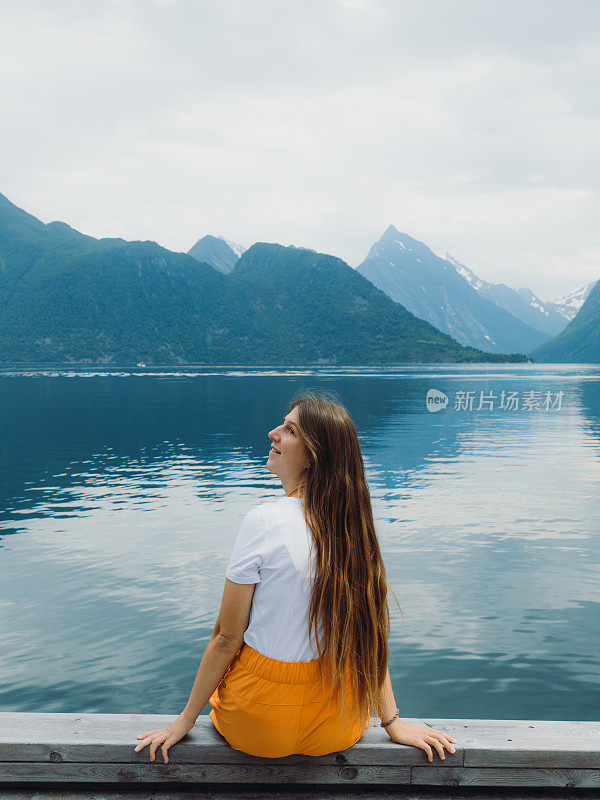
<point>385,724</point>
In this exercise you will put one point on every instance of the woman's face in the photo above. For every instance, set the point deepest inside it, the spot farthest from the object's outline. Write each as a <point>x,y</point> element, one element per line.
<point>288,457</point>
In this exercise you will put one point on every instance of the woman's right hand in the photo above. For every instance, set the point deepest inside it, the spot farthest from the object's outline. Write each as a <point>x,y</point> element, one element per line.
<point>420,736</point>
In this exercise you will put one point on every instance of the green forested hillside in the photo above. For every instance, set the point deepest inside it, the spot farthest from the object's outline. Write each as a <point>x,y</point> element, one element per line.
<point>66,297</point>
<point>130,301</point>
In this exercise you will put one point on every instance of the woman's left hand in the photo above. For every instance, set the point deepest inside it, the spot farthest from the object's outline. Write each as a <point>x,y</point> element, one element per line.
<point>168,736</point>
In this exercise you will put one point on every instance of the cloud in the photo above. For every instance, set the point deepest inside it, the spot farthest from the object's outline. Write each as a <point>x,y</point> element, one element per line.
<point>470,125</point>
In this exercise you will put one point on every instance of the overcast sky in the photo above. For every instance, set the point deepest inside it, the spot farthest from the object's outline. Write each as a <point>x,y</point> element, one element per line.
<point>472,125</point>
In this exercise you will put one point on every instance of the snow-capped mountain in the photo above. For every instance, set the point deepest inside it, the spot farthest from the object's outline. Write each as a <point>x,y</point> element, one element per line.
<point>579,343</point>
<point>432,289</point>
<point>238,249</point>
<point>569,304</point>
<point>522,303</point>
<point>220,253</point>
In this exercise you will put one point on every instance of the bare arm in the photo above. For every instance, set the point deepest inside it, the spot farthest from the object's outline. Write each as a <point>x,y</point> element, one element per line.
<point>225,641</point>
<point>387,703</point>
<point>218,655</point>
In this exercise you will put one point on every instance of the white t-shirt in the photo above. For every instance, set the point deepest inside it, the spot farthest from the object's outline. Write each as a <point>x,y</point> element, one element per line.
<point>273,550</point>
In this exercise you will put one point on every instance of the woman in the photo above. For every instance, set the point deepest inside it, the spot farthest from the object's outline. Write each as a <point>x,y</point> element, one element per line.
<point>272,693</point>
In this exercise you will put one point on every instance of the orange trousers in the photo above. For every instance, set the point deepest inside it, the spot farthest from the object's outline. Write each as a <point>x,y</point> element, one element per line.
<point>272,708</point>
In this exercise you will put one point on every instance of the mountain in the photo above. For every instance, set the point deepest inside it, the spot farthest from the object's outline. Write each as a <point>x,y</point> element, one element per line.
<point>579,343</point>
<point>66,297</point>
<point>69,297</point>
<point>431,288</point>
<point>569,304</point>
<point>220,253</point>
<point>521,303</point>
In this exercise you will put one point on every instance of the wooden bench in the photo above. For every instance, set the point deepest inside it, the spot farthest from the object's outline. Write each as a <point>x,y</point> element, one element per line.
<point>84,748</point>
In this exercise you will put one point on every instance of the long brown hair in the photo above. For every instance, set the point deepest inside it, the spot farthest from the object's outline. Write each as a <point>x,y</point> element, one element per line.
<point>349,594</point>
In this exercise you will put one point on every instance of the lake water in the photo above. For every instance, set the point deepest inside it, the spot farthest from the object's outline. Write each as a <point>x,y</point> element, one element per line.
<point>121,493</point>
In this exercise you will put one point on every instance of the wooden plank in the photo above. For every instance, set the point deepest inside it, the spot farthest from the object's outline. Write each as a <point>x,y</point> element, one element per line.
<point>480,776</point>
<point>199,773</point>
<point>317,775</point>
<point>258,792</point>
<point>526,743</point>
